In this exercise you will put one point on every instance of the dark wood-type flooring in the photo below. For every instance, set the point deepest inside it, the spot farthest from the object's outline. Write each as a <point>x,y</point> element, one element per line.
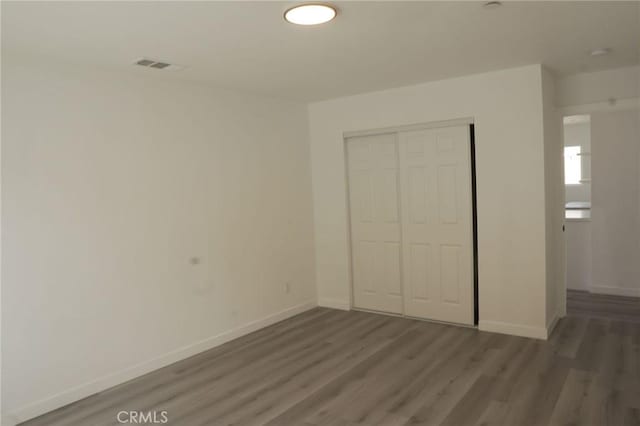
<point>329,367</point>
<point>620,308</point>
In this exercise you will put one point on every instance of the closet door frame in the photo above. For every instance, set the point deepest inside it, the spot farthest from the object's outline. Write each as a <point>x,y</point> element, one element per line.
<point>466,121</point>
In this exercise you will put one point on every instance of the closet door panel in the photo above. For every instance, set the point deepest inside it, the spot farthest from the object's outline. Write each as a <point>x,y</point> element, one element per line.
<point>375,223</point>
<point>437,235</point>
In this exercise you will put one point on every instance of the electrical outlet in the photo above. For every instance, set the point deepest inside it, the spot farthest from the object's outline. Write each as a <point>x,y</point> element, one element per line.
<point>287,288</point>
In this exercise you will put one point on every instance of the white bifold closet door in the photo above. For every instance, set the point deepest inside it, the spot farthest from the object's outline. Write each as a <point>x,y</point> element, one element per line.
<point>375,222</point>
<point>411,223</point>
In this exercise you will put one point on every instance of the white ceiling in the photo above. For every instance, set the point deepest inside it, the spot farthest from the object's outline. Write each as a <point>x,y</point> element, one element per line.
<point>369,46</point>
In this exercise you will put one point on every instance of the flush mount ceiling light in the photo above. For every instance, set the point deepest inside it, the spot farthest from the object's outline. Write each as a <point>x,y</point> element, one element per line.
<point>600,52</point>
<point>310,14</point>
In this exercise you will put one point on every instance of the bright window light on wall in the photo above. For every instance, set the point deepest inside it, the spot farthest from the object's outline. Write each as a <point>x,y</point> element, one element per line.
<point>572,165</point>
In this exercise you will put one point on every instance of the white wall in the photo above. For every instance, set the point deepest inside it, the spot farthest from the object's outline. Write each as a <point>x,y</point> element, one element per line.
<point>600,86</point>
<point>579,254</point>
<point>615,140</point>
<point>508,112</point>
<point>110,185</point>
<point>554,202</point>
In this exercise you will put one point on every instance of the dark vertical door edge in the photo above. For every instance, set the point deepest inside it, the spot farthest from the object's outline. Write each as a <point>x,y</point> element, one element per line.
<point>474,208</point>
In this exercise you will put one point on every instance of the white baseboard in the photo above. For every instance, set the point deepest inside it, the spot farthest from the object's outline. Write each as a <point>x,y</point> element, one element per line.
<point>582,288</point>
<point>552,324</point>
<point>513,329</point>
<point>52,402</point>
<point>334,303</point>
<point>615,291</point>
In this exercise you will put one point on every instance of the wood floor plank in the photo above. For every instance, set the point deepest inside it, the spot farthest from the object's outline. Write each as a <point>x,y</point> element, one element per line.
<point>592,348</point>
<point>313,408</point>
<point>631,417</point>
<point>261,368</point>
<point>567,336</point>
<point>581,303</point>
<point>362,405</point>
<point>108,403</point>
<point>593,399</point>
<point>570,408</point>
<point>448,359</point>
<point>450,386</point>
<point>493,414</point>
<point>298,380</point>
<point>510,364</point>
<point>537,390</point>
<point>473,404</point>
<point>189,376</point>
<point>327,367</point>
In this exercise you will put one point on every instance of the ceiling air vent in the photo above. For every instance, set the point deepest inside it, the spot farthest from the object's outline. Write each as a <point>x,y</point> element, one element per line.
<point>151,63</point>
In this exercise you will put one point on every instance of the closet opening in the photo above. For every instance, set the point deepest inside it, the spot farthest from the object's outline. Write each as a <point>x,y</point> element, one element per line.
<point>413,221</point>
